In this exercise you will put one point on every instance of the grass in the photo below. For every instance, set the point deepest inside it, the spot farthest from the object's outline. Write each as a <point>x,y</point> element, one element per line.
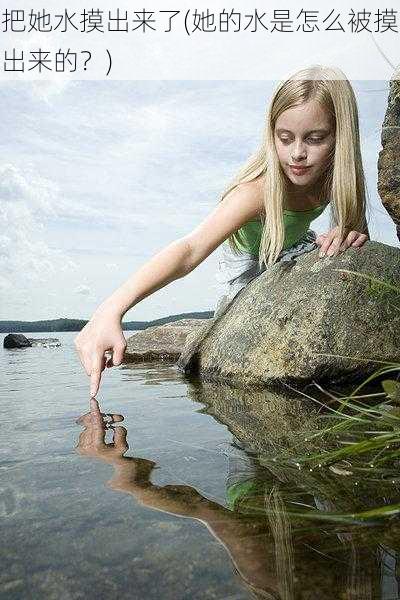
<point>351,454</point>
<point>366,430</point>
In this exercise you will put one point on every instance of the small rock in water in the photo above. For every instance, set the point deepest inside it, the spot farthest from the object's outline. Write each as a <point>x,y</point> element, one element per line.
<point>16,340</point>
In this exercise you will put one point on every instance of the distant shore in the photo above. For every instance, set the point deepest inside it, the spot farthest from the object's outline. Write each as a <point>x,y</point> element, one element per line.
<point>78,324</point>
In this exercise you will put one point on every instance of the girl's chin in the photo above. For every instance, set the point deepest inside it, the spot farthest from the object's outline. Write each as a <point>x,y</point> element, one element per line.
<point>301,180</point>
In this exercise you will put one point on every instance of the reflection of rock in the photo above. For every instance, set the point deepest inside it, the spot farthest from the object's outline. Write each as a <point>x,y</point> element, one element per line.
<point>46,342</point>
<point>262,419</point>
<point>389,156</point>
<point>17,340</point>
<point>150,373</point>
<point>160,342</point>
<point>274,428</point>
<point>278,324</point>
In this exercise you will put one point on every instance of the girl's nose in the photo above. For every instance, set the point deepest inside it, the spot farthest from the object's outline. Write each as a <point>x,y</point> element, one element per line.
<point>299,152</point>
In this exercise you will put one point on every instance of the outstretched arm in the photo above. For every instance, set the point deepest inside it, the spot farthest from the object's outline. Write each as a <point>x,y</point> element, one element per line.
<point>104,332</point>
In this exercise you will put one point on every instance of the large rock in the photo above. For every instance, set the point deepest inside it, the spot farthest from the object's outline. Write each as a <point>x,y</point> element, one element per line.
<point>305,320</point>
<point>160,342</point>
<point>389,156</point>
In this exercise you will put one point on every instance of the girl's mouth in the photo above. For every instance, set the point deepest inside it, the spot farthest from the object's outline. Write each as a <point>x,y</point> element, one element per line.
<point>298,170</point>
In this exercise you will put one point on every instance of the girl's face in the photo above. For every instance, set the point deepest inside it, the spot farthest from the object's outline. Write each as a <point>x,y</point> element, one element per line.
<point>304,138</point>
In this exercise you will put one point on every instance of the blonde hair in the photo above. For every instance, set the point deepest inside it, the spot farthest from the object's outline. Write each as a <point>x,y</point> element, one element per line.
<point>343,181</point>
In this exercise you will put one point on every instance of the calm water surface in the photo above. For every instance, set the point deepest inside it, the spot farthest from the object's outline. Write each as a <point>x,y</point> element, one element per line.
<point>155,509</point>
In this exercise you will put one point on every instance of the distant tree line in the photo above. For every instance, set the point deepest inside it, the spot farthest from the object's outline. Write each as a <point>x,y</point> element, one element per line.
<point>78,324</point>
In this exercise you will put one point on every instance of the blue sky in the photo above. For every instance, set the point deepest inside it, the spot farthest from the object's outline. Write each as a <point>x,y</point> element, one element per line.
<point>98,176</point>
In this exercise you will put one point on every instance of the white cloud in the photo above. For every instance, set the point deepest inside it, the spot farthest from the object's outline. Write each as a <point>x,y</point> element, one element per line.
<point>36,191</point>
<point>84,290</point>
<point>24,254</point>
<point>49,91</point>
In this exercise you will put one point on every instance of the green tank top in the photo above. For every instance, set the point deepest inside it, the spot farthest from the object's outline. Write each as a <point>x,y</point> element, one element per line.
<point>296,224</point>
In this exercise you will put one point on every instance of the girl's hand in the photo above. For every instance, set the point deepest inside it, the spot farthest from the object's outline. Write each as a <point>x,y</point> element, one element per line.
<point>103,332</point>
<point>331,244</point>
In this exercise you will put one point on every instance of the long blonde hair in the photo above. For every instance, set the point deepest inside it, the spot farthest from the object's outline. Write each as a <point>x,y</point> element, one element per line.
<point>343,182</point>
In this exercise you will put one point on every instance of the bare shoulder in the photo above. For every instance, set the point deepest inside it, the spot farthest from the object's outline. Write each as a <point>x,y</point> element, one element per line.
<point>241,204</point>
<point>251,195</point>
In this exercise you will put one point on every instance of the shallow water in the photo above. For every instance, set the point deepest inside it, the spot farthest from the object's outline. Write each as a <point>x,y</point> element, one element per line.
<point>82,518</point>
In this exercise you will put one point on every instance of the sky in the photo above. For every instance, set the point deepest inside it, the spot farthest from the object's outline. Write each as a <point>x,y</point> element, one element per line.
<point>98,176</point>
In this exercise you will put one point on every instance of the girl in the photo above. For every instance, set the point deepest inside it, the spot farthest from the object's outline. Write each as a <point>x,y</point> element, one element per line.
<point>309,157</point>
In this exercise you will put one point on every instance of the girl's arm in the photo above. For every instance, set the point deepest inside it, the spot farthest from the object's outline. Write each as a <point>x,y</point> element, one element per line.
<point>104,332</point>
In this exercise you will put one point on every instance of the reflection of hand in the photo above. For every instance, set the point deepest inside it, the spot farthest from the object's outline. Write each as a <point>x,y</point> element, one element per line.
<point>245,541</point>
<point>331,243</point>
<point>92,439</point>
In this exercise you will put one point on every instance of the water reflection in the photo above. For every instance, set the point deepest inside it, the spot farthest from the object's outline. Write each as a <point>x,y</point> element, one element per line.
<point>277,551</point>
<point>150,373</point>
<point>244,538</point>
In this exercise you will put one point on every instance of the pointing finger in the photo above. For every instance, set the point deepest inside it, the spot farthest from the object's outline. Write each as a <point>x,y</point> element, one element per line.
<point>98,362</point>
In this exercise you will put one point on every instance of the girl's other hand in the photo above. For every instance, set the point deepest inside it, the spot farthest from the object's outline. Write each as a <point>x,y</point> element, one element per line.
<point>331,244</point>
<point>103,332</point>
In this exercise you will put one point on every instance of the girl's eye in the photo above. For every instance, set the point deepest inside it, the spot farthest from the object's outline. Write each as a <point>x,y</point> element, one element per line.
<point>312,140</point>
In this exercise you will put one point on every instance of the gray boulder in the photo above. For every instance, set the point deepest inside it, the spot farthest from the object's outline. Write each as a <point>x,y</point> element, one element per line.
<point>160,342</point>
<point>305,320</point>
<point>16,340</point>
<point>389,156</point>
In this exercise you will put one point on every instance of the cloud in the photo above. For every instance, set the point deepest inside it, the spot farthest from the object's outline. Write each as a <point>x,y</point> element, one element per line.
<point>29,187</point>
<point>24,254</point>
<point>83,290</point>
<point>48,91</point>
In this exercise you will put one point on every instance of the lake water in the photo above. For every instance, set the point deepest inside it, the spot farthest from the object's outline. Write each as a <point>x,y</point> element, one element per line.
<point>84,518</point>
